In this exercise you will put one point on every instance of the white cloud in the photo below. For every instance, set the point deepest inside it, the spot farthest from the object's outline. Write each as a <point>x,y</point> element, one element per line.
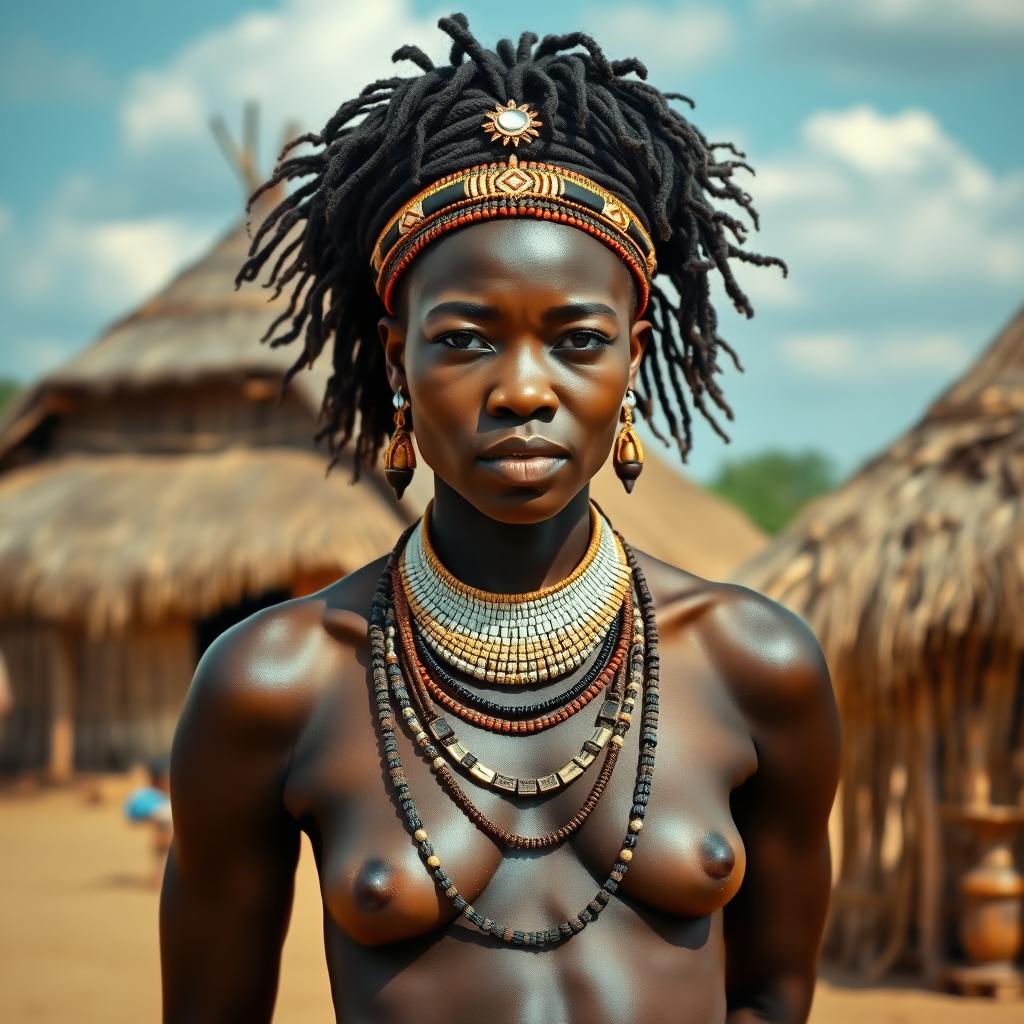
<point>299,62</point>
<point>683,39</point>
<point>101,265</point>
<point>767,288</point>
<point>907,144</point>
<point>889,200</point>
<point>822,354</point>
<point>847,355</point>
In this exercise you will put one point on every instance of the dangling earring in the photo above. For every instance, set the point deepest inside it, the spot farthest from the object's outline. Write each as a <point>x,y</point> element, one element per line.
<point>628,454</point>
<point>400,456</point>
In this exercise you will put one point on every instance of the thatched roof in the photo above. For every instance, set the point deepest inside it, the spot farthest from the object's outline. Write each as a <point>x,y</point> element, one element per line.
<point>923,539</point>
<point>911,575</point>
<point>107,539</point>
<point>196,328</point>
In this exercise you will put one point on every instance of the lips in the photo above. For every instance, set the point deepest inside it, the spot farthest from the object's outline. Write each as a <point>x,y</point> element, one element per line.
<point>524,460</point>
<point>533,447</point>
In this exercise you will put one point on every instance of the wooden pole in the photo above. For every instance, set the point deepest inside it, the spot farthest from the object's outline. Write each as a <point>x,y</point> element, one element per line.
<point>62,710</point>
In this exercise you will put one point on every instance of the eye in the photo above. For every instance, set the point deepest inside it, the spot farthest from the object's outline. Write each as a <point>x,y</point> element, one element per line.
<point>463,341</point>
<point>583,341</point>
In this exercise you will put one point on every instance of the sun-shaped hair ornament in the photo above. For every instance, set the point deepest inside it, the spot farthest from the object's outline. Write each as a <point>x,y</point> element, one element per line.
<point>512,123</point>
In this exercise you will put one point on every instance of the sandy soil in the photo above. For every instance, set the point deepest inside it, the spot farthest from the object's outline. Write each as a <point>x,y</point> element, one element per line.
<point>78,928</point>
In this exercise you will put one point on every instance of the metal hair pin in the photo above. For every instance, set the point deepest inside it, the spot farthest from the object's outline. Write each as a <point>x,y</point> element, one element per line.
<point>513,123</point>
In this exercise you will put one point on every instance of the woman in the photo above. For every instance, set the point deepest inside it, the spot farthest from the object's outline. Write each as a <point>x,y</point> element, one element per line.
<point>467,728</point>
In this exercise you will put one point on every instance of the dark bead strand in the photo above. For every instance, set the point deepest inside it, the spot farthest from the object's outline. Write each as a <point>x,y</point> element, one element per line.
<point>645,762</point>
<point>473,699</point>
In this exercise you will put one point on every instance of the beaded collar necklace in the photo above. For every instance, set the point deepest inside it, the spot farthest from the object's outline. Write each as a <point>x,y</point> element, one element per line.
<point>515,639</point>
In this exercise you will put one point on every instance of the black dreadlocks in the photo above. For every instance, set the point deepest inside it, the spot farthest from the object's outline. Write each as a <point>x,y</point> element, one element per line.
<point>618,131</point>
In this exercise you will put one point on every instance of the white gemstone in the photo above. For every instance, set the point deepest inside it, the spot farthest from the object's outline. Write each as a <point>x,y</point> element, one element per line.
<point>513,120</point>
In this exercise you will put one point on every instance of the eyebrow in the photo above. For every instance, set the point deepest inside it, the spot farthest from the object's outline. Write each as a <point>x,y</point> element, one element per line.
<point>478,311</point>
<point>473,310</point>
<point>572,310</point>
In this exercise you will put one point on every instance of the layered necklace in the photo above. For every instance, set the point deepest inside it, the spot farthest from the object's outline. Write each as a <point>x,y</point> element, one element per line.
<point>425,623</point>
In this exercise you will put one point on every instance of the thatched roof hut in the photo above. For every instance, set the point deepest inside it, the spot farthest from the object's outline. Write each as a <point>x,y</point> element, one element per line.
<point>912,576</point>
<point>153,492</point>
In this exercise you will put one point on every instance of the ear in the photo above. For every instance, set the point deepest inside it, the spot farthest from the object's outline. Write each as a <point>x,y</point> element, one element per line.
<point>392,337</point>
<point>639,337</point>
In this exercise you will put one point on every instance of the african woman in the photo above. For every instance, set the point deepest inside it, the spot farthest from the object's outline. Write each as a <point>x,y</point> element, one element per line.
<point>546,777</point>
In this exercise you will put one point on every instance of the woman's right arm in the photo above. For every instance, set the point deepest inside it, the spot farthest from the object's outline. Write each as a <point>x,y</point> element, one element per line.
<point>227,891</point>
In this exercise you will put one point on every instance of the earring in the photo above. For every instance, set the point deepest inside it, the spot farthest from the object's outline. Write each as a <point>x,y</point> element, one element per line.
<point>628,453</point>
<point>400,456</point>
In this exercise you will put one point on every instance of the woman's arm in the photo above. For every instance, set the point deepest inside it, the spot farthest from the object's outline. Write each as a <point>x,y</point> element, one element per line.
<point>773,926</point>
<point>227,891</point>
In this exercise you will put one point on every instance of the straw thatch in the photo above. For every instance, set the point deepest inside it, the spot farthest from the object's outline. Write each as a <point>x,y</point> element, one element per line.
<point>912,576</point>
<point>109,540</point>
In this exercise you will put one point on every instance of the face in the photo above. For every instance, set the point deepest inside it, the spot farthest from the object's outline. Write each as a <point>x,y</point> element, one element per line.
<point>515,343</point>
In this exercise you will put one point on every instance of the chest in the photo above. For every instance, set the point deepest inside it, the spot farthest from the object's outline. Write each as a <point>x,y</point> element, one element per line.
<point>689,861</point>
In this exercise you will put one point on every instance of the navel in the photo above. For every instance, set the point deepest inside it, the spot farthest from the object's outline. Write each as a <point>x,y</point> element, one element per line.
<point>374,885</point>
<point>717,856</point>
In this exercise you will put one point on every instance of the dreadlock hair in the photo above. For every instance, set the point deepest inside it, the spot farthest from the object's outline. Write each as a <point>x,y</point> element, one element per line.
<point>619,131</point>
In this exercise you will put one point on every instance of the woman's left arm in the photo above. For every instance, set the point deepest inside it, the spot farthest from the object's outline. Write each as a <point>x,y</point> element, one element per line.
<point>774,924</point>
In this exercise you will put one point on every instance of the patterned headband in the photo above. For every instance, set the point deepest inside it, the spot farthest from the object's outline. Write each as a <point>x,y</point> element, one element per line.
<point>500,189</point>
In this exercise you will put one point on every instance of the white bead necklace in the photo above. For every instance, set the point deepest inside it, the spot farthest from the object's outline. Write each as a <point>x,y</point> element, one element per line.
<point>513,639</point>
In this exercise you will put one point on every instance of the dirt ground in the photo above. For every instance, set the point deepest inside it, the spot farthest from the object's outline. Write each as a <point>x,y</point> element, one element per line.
<point>78,927</point>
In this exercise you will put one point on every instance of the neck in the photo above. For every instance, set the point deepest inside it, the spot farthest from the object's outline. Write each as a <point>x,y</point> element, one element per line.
<point>507,558</point>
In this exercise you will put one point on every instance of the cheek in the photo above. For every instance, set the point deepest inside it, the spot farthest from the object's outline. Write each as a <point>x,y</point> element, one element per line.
<point>600,423</point>
<point>445,411</point>
<point>597,400</point>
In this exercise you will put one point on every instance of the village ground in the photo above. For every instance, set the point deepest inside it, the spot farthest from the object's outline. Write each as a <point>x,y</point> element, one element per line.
<point>78,927</point>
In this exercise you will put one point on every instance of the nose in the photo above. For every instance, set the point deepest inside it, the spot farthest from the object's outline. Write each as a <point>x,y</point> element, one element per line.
<point>522,388</point>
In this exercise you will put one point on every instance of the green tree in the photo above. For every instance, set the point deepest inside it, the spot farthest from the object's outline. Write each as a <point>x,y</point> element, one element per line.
<point>770,486</point>
<point>8,389</point>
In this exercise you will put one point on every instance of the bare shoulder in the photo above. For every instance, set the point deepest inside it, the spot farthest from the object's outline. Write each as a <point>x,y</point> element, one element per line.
<point>768,654</point>
<point>264,675</point>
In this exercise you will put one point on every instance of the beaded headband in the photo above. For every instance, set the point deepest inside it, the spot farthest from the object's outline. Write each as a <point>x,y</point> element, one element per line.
<point>507,189</point>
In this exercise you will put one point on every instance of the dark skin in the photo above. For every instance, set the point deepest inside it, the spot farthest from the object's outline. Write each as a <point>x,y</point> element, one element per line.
<point>721,914</point>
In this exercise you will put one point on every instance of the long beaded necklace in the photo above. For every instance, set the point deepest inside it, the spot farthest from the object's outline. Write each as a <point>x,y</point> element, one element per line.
<point>385,668</point>
<point>514,639</point>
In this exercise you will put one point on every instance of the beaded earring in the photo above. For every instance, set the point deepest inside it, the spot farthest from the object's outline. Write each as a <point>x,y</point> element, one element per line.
<point>628,454</point>
<point>400,456</point>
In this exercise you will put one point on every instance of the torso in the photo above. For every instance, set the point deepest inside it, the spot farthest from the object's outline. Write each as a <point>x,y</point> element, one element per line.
<point>396,948</point>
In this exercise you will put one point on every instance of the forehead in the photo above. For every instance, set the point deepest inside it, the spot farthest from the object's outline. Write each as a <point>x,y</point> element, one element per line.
<point>517,257</point>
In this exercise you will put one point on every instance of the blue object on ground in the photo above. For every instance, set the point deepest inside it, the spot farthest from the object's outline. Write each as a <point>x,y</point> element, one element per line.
<point>141,803</point>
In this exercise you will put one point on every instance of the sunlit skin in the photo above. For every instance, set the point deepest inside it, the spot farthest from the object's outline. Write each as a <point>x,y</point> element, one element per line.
<point>721,913</point>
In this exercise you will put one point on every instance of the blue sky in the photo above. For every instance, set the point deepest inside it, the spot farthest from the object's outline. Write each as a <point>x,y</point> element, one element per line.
<point>886,136</point>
